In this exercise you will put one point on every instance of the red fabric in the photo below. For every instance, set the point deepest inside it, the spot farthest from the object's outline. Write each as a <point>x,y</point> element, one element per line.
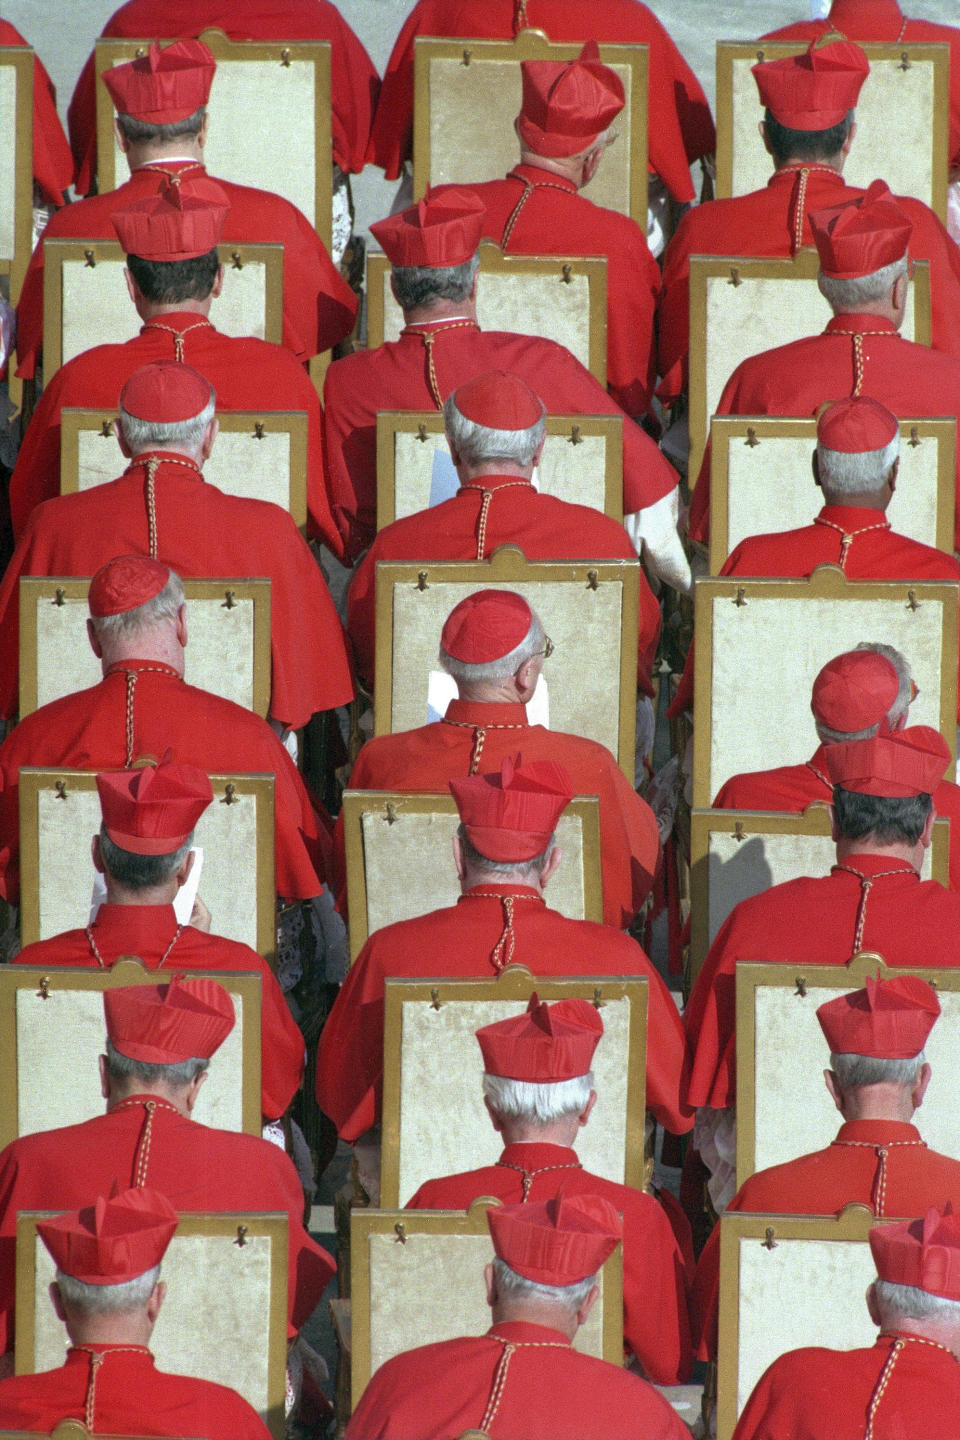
<point>247,374</point>
<point>457,942</point>
<point>318,305</point>
<point>881,21</point>
<point>655,1324</point>
<point>557,1241</point>
<point>354,83</point>
<point>567,104</point>
<point>545,529</point>
<point>394,377</point>
<point>166,1024</point>
<point>857,239</point>
<point>762,223</point>
<point>434,232</point>
<point>116,1239</point>
<point>923,1253</point>
<point>552,1392</point>
<point>907,763</point>
<point>512,813</point>
<point>146,931</point>
<point>818,1394</point>
<point>679,125</point>
<point>52,161</point>
<point>132,1395</point>
<point>88,730</point>
<point>809,921</point>
<point>821,1184</point>
<point>201,532</point>
<point>179,222</point>
<point>196,1167</point>
<point>545,1044</point>
<point>153,811</point>
<point>813,91</point>
<point>795,379</point>
<point>555,223</point>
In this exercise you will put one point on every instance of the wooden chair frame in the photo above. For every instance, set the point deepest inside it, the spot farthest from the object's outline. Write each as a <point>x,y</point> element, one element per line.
<point>19,59</point>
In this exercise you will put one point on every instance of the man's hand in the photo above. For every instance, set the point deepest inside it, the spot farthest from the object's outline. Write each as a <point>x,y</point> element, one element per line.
<point>200,917</point>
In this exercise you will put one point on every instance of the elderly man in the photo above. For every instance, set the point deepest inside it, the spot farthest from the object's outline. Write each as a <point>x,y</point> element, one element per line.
<point>505,855</point>
<point>494,646</point>
<point>538,1090</point>
<point>143,852</point>
<point>433,250</point>
<point>147,1137</point>
<point>108,1293</point>
<point>161,506</point>
<point>173,275</point>
<point>908,1383</point>
<point>496,433</point>
<point>864,275</point>
<point>161,127</point>
<point>522,1380</point>
<point>142,707</point>
<point>52,163</point>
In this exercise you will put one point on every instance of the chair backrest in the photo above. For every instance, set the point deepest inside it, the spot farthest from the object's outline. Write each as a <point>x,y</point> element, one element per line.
<point>761,480</point>
<point>738,853</point>
<point>399,859</point>
<point>433,1067</point>
<point>277,91</point>
<point>903,120</point>
<point>16,164</point>
<point>746,627</point>
<point>228,654</point>
<point>587,609</point>
<point>554,297</point>
<point>85,299</point>
<point>51,1032</point>
<point>473,88</point>
<point>740,307</point>
<point>60,812</point>
<point>258,455</point>
<point>431,1262</point>
<point>782,1115</point>
<point>582,463</point>
<point>226,1278</point>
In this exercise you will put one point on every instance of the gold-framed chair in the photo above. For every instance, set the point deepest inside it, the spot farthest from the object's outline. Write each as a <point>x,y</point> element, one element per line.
<point>555,297</point>
<point>85,299</point>
<point>60,812</point>
<point>400,864</point>
<point>277,91</point>
<point>259,455</point>
<point>433,1066</point>
<point>474,86</point>
<point>903,119</point>
<point>747,628</point>
<point>225,1314</point>
<point>229,651</point>
<point>588,608</point>
<point>51,1032</point>
<point>16,165</point>
<point>582,463</point>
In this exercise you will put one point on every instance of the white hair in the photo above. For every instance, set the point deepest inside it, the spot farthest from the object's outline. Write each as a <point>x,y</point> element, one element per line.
<point>850,295</point>
<point>529,870</point>
<point>531,644</point>
<point>853,1071</point>
<point>482,444</point>
<point>854,472</point>
<point>108,1299</point>
<point>909,1302</point>
<point>518,1287</point>
<point>899,707</point>
<point>165,606</point>
<point>187,434</point>
<point>537,1103</point>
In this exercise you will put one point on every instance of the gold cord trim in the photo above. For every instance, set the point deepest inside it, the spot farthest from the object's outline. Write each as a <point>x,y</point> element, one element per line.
<point>866,882</point>
<point>847,537</point>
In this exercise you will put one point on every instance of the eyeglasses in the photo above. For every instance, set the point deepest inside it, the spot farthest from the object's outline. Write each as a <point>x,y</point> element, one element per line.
<point>547,651</point>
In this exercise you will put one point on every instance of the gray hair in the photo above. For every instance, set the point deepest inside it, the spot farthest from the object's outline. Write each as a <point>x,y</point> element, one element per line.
<point>538,1104</point>
<point>165,606</point>
<point>416,285</point>
<point>854,472</point>
<point>160,435</point>
<point>531,644</point>
<point>141,872</point>
<point>854,1071</point>
<point>531,869</point>
<point>480,444</point>
<point>909,1302</point>
<point>518,1287</point>
<point>850,295</point>
<point>899,707</point>
<point>140,130</point>
<point>177,1076</point>
<point>108,1299</point>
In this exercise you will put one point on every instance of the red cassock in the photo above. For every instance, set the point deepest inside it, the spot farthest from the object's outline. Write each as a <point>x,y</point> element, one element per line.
<point>131,1397</point>
<point>88,731</point>
<point>795,379</point>
<point>196,1167</point>
<point>426,758</point>
<point>149,931</point>
<point>822,1183</point>
<point>882,22</point>
<point>52,162</point>
<point>354,83</point>
<point>818,1394</point>
<point>765,223</point>
<point>679,125</point>
<point>794,787</point>
<point>247,374</point>
<point>516,513</point>
<point>200,532</point>
<point>655,1322</point>
<point>318,304</point>
<point>557,220</point>
<point>396,377</point>
<point>551,1392</point>
<point>459,942</point>
<point>907,920</point>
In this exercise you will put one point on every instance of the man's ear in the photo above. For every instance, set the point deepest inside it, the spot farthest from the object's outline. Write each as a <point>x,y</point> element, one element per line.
<point>490,1280</point>
<point>193,1089</point>
<point>218,283</point>
<point>815,467</point>
<point>834,827</point>
<point>157,1297</point>
<point>584,1115</point>
<point>833,1089</point>
<point>209,436</point>
<point>182,625</point>
<point>495,1120</point>
<point>104,1077</point>
<point>920,1086</point>
<point>458,859</point>
<point>587,1305</point>
<point>133,289</point>
<point>845,147</point>
<point>120,138</point>
<point>95,645</point>
<point>96,855</point>
<point>185,866</point>
<point>56,1300</point>
<point>894,472</point>
<point>553,860</point>
<point>762,129</point>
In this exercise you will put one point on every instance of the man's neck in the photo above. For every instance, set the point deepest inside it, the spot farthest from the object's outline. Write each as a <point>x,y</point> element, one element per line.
<point>169,450</point>
<point>118,894</point>
<point>468,474</point>
<point>530,1312</point>
<point>521,1132</point>
<point>439,310</point>
<point>151,309</point>
<point>491,692</point>
<point>567,167</point>
<point>850,849</point>
<point>127,1328</point>
<point>185,150</point>
<point>885,1101</point>
<point>797,162</point>
<point>864,500</point>
<point>141,1090</point>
